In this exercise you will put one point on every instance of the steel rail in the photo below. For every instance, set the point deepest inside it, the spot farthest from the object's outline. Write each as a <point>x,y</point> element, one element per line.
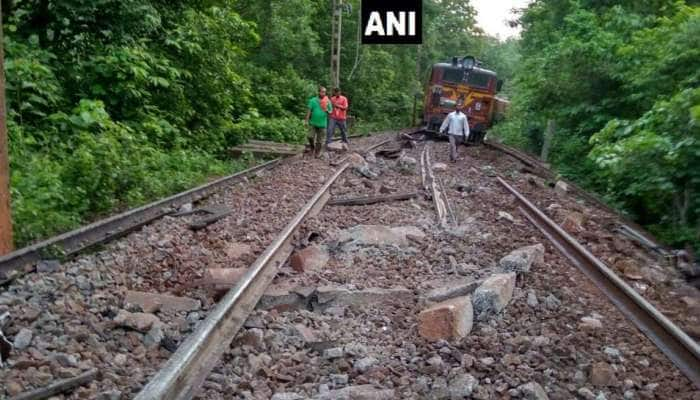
<point>189,366</point>
<point>101,231</point>
<point>638,233</point>
<point>683,351</point>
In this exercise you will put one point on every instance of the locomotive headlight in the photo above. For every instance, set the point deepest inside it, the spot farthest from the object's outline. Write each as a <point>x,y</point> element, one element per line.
<point>469,63</point>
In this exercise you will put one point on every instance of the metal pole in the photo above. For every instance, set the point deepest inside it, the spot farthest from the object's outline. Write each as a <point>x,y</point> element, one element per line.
<point>547,139</point>
<point>6,245</point>
<point>337,19</point>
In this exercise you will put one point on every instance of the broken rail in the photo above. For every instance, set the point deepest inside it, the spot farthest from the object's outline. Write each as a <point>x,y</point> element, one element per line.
<point>101,231</point>
<point>186,370</point>
<point>682,350</point>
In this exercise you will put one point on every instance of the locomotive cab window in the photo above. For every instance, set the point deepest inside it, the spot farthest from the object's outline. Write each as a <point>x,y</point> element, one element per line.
<point>478,80</point>
<point>453,75</point>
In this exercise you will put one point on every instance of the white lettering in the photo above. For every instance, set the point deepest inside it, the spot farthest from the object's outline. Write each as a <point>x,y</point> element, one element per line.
<point>412,23</point>
<point>374,24</point>
<point>394,24</point>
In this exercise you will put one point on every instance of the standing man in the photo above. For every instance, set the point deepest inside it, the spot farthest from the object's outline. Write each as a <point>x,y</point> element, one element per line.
<point>317,119</point>
<point>457,128</point>
<point>338,117</point>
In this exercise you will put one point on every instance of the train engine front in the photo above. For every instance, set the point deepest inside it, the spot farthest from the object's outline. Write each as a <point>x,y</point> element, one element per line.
<point>463,81</point>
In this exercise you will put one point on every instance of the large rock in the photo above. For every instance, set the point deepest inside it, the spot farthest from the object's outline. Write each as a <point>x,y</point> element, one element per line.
<point>462,386</point>
<point>602,374</point>
<point>312,258</point>
<point>23,338</point>
<point>361,392</point>
<point>378,235</point>
<point>533,391</point>
<point>152,302</point>
<point>451,319</point>
<point>522,259</point>
<point>450,290</point>
<point>494,294</point>
<point>141,322</point>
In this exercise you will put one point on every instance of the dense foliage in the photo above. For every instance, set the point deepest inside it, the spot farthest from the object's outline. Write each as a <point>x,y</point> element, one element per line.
<point>115,102</point>
<point>620,80</point>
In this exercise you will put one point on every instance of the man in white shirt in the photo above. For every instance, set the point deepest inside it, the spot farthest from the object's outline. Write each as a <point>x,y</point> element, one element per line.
<point>457,127</point>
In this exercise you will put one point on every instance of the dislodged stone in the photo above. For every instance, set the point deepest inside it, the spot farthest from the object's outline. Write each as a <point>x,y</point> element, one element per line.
<point>522,259</point>
<point>378,235</point>
<point>364,364</point>
<point>312,258</point>
<point>237,250</point>
<point>450,290</point>
<point>533,391</point>
<point>602,374</point>
<point>561,187</point>
<point>221,280</point>
<point>506,216</point>
<point>335,352</point>
<point>462,386</point>
<point>532,299</point>
<point>590,323</point>
<point>573,222</point>
<point>281,298</point>
<point>337,147</point>
<point>328,296</point>
<point>154,336</point>
<point>152,302</point>
<point>494,294</point>
<point>552,302</point>
<point>23,338</point>
<point>48,266</point>
<point>451,319</point>
<point>141,322</point>
<point>361,392</point>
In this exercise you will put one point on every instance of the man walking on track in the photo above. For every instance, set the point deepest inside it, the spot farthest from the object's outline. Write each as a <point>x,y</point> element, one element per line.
<point>338,117</point>
<point>457,127</point>
<point>317,119</point>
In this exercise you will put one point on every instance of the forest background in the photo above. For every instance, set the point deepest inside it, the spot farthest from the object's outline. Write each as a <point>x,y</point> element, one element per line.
<point>116,102</point>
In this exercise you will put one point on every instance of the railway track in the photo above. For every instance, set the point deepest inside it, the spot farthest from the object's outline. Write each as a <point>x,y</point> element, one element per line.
<point>683,351</point>
<point>359,301</point>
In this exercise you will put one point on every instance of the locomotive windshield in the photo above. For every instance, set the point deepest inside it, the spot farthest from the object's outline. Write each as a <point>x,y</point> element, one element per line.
<point>478,80</point>
<point>453,75</point>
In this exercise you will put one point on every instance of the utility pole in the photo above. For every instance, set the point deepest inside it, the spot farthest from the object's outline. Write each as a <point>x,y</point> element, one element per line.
<point>337,20</point>
<point>6,245</point>
<point>547,139</point>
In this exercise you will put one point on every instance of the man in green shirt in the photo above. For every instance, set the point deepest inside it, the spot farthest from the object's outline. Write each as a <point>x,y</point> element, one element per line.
<point>317,119</point>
